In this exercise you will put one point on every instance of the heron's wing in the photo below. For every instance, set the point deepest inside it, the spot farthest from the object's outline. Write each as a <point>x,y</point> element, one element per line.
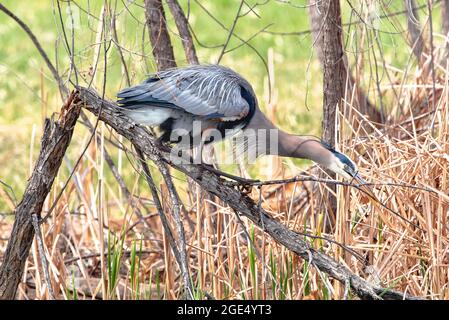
<point>209,92</point>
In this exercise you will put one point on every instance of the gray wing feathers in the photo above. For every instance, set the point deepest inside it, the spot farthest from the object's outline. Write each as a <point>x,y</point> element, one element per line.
<point>200,90</point>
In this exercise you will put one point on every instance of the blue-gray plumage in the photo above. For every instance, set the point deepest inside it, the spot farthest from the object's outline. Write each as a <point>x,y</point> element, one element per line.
<point>175,98</point>
<point>219,99</point>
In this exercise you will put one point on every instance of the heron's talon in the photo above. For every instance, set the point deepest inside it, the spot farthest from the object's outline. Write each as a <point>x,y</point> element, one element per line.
<point>245,188</point>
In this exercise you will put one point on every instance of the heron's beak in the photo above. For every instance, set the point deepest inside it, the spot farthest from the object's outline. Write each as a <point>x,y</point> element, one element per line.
<point>363,186</point>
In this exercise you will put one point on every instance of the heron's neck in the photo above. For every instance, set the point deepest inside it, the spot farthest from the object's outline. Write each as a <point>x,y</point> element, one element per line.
<point>299,147</point>
<point>289,145</point>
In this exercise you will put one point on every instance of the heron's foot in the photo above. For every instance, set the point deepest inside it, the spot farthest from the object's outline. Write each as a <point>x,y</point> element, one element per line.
<point>205,167</point>
<point>161,144</point>
<point>245,188</point>
<point>244,185</point>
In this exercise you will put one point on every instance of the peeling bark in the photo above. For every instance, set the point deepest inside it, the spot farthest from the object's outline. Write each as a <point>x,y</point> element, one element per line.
<point>54,143</point>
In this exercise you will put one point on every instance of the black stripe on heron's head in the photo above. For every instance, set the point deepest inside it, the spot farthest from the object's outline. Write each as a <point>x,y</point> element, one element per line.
<point>340,156</point>
<point>345,160</point>
<point>251,99</point>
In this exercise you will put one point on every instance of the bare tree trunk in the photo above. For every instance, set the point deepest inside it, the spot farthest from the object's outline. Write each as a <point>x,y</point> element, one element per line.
<point>414,29</point>
<point>316,24</point>
<point>326,16</point>
<point>334,69</point>
<point>159,37</point>
<point>183,27</point>
<point>317,12</point>
<point>445,19</point>
<point>55,140</point>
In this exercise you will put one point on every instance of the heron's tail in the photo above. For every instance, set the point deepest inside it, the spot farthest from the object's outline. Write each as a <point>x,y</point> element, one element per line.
<point>138,104</point>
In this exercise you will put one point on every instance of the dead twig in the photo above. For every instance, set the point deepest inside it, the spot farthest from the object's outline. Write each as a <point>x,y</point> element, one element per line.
<point>231,32</point>
<point>62,88</point>
<point>178,252</point>
<point>41,249</point>
<point>64,92</point>
<point>176,202</point>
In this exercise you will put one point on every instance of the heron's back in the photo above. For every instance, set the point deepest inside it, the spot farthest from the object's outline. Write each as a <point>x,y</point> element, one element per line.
<point>215,95</point>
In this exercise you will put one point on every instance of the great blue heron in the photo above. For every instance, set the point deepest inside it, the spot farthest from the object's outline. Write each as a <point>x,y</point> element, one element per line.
<point>222,101</point>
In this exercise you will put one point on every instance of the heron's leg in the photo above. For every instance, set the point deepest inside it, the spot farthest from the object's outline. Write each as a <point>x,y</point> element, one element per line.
<point>196,157</point>
<point>243,184</point>
<point>203,150</point>
<point>162,144</point>
<point>160,140</point>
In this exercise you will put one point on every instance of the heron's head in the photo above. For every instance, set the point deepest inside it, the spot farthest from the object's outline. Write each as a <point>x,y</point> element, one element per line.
<point>342,165</point>
<point>318,151</point>
<point>345,167</point>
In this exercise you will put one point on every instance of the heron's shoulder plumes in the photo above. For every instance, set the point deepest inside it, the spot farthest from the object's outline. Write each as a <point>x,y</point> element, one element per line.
<point>203,71</point>
<point>212,91</point>
<point>214,95</point>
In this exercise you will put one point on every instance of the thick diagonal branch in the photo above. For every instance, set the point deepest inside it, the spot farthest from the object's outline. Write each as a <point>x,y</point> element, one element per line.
<point>235,199</point>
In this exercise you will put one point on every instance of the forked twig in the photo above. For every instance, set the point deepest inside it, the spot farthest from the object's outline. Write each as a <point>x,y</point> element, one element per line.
<point>178,251</point>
